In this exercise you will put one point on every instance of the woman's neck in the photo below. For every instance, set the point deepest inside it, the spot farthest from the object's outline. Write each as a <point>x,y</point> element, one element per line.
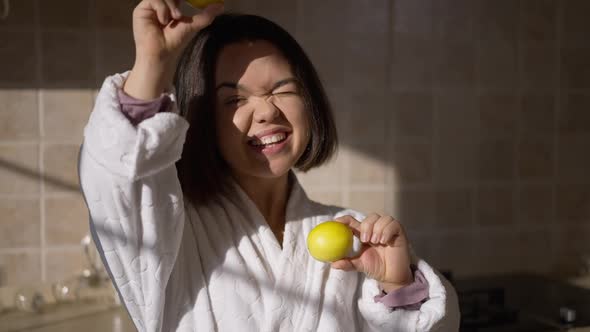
<point>270,196</point>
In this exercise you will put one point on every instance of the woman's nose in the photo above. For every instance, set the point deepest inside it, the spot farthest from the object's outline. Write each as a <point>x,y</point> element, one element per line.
<point>265,110</point>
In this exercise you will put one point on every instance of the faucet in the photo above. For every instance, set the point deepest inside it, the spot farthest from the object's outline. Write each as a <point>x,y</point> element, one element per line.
<point>95,275</point>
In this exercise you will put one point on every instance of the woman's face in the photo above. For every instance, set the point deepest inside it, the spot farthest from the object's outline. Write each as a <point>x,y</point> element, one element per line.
<point>260,116</point>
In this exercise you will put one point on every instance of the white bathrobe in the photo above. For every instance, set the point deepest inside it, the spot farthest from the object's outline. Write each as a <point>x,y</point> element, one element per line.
<point>219,267</point>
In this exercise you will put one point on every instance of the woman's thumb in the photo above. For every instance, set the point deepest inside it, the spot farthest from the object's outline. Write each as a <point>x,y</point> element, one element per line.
<point>342,264</point>
<point>348,264</point>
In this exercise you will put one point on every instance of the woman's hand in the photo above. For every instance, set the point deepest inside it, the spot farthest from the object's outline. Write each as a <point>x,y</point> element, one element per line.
<point>385,254</point>
<point>161,33</point>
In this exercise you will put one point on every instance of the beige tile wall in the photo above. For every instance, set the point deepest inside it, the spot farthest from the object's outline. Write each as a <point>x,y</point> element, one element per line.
<point>47,83</point>
<point>465,119</point>
<point>485,107</point>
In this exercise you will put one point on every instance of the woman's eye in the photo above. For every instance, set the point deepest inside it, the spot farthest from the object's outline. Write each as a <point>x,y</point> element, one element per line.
<point>285,93</point>
<point>237,100</point>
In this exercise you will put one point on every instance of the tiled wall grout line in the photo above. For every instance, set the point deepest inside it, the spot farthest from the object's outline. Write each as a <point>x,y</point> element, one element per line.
<point>19,250</point>
<point>355,187</point>
<point>41,146</point>
<point>95,34</point>
<point>389,204</point>
<point>11,143</point>
<point>518,137</point>
<point>19,196</point>
<point>298,19</point>
<point>557,104</point>
<point>345,179</point>
<point>63,247</point>
<point>435,134</point>
<point>476,229</point>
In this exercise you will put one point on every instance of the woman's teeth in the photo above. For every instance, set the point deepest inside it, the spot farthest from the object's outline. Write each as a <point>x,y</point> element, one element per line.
<point>270,139</point>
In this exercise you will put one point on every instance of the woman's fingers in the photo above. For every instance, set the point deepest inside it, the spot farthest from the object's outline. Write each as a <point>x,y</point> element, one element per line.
<point>374,229</point>
<point>367,232</point>
<point>378,228</point>
<point>354,224</point>
<point>173,7</point>
<point>390,231</point>
<point>166,10</point>
<point>205,17</point>
<point>162,11</point>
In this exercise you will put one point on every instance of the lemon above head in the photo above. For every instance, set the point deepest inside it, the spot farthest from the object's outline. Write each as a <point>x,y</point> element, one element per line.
<point>330,241</point>
<point>202,3</point>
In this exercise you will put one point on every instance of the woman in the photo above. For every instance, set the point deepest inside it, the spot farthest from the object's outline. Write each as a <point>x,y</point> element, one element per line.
<point>218,242</point>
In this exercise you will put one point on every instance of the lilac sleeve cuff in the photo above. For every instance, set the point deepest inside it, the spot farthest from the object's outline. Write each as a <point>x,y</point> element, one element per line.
<point>138,110</point>
<point>409,297</point>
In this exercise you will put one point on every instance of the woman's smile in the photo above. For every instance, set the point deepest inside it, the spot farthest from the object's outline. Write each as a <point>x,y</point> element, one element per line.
<point>271,144</point>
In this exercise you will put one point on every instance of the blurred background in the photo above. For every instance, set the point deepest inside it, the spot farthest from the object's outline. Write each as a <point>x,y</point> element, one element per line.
<point>467,120</point>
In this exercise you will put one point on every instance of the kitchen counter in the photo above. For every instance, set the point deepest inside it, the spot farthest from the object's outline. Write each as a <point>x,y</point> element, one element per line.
<point>89,317</point>
<point>583,282</point>
<point>113,320</point>
<point>69,317</point>
<point>523,302</point>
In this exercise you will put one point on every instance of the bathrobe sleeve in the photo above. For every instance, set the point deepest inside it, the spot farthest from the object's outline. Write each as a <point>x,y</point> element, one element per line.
<point>129,180</point>
<point>439,313</point>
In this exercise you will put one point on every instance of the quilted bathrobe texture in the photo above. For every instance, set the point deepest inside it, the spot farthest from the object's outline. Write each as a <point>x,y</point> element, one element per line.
<point>219,267</point>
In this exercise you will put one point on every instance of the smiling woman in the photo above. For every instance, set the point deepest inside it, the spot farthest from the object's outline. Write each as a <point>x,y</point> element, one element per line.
<point>224,53</point>
<point>195,207</point>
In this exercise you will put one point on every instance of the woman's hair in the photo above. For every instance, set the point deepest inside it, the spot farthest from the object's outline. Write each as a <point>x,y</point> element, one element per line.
<point>202,171</point>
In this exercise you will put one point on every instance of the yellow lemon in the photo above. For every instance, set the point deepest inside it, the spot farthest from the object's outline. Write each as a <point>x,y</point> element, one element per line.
<point>203,3</point>
<point>329,241</point>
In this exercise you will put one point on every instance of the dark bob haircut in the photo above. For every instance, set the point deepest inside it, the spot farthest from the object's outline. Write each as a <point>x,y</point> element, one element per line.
<point>202,171</point>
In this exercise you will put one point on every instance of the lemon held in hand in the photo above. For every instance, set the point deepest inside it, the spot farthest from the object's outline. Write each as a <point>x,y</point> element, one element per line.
<point>329,241</point>
<point>203,3</point>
